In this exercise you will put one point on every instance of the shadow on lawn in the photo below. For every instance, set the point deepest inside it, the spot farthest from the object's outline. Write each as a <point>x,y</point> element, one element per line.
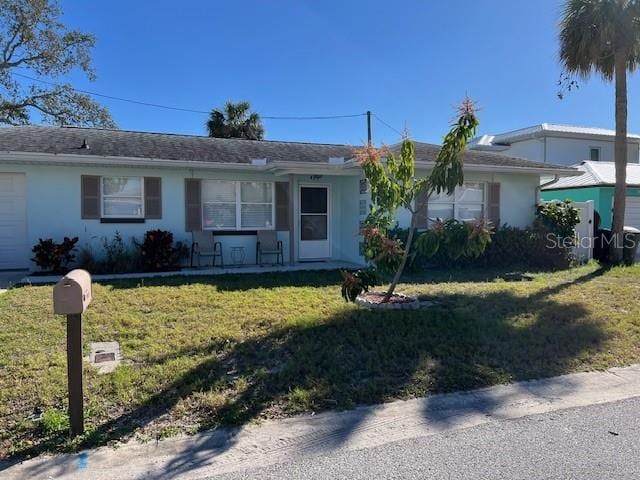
<point>236,281</point>
<point>364,357</point>
<point>320,278</point>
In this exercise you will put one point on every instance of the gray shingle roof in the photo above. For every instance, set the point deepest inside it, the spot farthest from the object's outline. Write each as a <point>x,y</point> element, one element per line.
<point>122,143</point>
<point>165,146</point>
<point>427,152</point>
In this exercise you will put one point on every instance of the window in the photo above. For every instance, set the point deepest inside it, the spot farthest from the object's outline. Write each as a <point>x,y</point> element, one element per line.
<point>364,186</point>
<point>594,154</point>
<point>219,205</point>
<point>256,202</point>
<point>230,205</point>
<point>122,197</point>
<point>466,204</point>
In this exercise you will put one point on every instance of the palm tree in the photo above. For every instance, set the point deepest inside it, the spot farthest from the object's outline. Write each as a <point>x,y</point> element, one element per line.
<point>603,36</point>
<point>235,121</point>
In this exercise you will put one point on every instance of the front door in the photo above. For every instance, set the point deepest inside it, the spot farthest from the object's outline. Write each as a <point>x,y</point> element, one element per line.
<point>314,223</point>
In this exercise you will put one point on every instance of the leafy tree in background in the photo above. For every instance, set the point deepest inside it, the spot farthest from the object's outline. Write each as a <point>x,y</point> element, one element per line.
<point>34,42</point>
<point>394,185</point>
<point>603,36</point>
<point>235,120</point>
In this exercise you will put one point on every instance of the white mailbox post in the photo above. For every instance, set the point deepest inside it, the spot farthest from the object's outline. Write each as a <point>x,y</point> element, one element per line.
<point>71,296</point>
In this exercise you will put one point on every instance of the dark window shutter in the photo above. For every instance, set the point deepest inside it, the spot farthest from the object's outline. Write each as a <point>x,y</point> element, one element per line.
<point>90,196</point>
<point>282,206</point>
<point>493,204</point>
<point>152,197</point>
<point>422,221</point>
<point>193,204</point>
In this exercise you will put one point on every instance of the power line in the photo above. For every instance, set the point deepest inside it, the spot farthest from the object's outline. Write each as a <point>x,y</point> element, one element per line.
<point>189,110</point>
<point>111,97</point>
<point>327,117</point>
<point>387,125</point>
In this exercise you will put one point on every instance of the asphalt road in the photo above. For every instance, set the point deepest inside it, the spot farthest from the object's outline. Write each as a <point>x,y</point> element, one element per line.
<point>594,442</point>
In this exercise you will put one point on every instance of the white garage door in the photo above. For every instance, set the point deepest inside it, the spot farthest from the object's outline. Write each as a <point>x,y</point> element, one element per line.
<point>632,212</point>
<point>13,221</point>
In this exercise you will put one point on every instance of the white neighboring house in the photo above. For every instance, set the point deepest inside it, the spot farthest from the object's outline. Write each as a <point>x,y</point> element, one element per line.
<point>557,144</point>
<point>91,183</point>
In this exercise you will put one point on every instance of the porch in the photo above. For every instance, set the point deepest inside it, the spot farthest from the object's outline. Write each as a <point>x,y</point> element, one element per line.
<point>316,217</point>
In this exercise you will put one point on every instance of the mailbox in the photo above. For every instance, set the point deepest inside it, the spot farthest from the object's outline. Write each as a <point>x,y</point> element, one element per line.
<point>72,294</point>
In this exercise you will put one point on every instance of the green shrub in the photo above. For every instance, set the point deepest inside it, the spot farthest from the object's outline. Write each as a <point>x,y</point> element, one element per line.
<point>158,252</point>
<point>354,283</point>
<point>54,421</point>
<point>560,218</point>
<point>51,256</point>
<point>532,247</point>
<point>119,257</point>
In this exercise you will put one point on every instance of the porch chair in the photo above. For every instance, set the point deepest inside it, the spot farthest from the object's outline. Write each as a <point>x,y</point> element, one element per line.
<point>268,244</point>
<point>203,245</point>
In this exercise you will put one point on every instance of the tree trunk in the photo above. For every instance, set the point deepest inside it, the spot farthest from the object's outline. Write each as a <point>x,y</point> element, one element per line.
<point>407,249</point>
<point>620,157</point>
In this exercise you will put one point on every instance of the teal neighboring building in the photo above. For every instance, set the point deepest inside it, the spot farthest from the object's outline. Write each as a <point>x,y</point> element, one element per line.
<point>597,184</point>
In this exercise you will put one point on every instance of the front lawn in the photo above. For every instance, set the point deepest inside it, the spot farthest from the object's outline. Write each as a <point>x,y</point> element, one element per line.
<point>203,352</point>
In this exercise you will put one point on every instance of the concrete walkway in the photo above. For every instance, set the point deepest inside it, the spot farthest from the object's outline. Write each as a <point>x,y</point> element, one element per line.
<point>190,272</point>
<point>8,278</point>
<point>272,442</point>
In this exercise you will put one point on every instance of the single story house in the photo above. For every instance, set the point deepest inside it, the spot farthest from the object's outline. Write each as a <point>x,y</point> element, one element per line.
<point>597,183</point>
<point>90,183</point>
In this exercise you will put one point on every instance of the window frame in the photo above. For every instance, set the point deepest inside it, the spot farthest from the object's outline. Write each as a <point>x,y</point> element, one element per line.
<point>103,196</point>
<point>457,204</point>
<point>599,150</point>
<point>238,205</point>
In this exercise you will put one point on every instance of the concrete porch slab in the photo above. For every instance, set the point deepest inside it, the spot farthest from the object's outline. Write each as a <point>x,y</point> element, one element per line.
<point>8,278</point>
<point>190,272</point>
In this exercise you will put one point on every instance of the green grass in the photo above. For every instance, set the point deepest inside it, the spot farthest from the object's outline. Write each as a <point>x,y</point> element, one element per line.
<point>204,352</point>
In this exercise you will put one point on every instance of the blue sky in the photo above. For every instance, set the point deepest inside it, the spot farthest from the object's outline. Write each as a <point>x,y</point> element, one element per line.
<point>409,62</point>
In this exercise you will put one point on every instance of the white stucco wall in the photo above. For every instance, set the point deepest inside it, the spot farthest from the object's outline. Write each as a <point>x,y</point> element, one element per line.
<point>532,149</point>
<point>53,207</point>
<point>568,151</point>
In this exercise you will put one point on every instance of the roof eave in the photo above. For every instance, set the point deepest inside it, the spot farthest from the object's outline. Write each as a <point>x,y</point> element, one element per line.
<point>511,169</point>
<point>509,139</point>
<point>100,160</point>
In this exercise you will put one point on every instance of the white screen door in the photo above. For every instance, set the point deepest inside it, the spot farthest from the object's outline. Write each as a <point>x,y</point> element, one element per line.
<point>314,223</point>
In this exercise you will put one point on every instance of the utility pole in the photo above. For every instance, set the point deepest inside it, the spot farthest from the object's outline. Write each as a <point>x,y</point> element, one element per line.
<point>369,127</point>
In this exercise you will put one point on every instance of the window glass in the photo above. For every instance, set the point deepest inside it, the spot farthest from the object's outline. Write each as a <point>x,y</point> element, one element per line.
<point>470,192</point>
<point>237,205</point>
<point>313,200</point>
<point>218,191</point>
<point>219,215</point>
<point>122,186</point>
<point>440,212</point>
<point>440,198</point>
<point>256,192</point>
<point>122,197</point>
<point>470,213</point>
<point>122,207</point>
<point>313,227</point>
<point>466,204</point>
<point>594,154</point>
<point>257,215</point>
